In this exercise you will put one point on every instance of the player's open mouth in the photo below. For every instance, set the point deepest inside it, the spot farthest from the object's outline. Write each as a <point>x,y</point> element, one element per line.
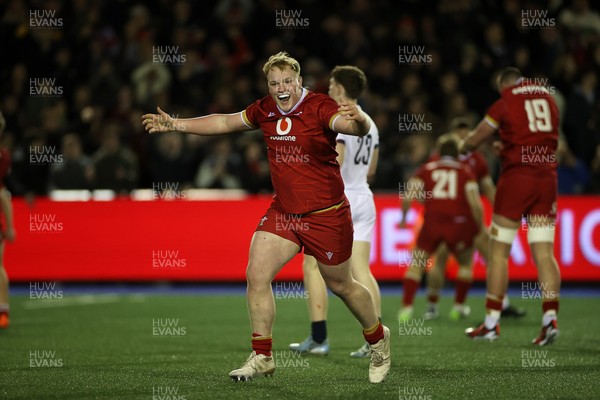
<point>283,98</point>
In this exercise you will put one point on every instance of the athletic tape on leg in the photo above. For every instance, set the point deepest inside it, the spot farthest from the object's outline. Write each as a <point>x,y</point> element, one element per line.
<point>502,234</point>
<point>537,234</point>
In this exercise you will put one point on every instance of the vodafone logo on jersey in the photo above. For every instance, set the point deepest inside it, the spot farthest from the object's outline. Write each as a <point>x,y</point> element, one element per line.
<point>284,126</point>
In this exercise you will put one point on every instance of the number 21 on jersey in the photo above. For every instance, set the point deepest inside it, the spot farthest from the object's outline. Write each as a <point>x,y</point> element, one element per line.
<point>445,183</point>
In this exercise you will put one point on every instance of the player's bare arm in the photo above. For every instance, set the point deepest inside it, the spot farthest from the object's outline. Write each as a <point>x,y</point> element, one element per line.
<point>476,137</point>
<point>214,124</point>
<point>373,166</point>
<point>488,188</point>
<point>6,206</point>
<point>413,192</point>
<point>341,150</point>
<point>472,195</point>
<point>352,120</point>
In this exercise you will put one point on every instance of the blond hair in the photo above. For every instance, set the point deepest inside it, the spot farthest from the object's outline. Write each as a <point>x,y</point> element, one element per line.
<point>282,60</point>
<point>448,145</point>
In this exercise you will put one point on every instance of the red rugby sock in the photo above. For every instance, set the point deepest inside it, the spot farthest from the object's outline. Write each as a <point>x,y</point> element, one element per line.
<point>433,298</point>
<point>462,289</point>
<point>374,334</point>
<point>262,344</point>
<point>410,290</point>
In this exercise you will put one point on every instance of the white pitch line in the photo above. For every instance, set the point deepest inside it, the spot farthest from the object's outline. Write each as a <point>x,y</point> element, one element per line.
<point>84,300</point>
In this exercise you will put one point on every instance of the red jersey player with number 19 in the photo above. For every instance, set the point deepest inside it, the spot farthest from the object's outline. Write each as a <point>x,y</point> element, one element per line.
<point>309,209</point>
<point>526,117</point>
<point>453,215</point>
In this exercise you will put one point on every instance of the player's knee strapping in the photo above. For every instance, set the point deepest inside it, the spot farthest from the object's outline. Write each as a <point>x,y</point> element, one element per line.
<point>502,234</point>
<point>541,233</point>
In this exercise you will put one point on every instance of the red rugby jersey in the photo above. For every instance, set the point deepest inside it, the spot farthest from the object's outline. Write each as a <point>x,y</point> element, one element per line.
<point>527,119</point>
<point>445,183</point>
<point>301,150</point>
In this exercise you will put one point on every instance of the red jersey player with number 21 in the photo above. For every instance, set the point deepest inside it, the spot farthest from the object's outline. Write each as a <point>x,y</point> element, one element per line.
<point>309,192</point>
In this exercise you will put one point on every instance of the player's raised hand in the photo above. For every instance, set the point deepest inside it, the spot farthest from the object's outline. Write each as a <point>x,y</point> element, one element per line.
<point>161,122</point>
<point>350,110</point>
<point>464,147</point>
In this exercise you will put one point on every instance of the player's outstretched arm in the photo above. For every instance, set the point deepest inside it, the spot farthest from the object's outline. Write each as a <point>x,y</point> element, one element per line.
<point>352,120</point>
<point>482,132</point>
<point>214,124</point>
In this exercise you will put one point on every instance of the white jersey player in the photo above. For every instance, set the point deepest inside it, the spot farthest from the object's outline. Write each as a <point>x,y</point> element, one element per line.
<point>358,157</point>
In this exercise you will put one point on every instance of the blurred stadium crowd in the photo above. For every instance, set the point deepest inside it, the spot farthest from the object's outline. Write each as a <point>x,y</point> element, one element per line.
<point>79,89</point>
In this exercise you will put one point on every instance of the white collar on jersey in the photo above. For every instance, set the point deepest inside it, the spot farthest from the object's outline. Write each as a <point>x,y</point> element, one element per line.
<point>304,93</point>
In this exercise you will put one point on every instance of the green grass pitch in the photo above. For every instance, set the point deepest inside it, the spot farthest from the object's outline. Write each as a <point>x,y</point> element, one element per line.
<point>183,346</point>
